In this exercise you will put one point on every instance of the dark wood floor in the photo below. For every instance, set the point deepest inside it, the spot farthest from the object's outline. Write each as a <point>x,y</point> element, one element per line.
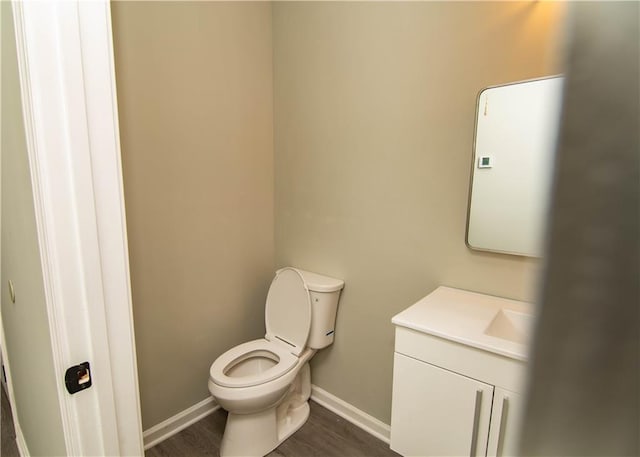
<point>324,435</point>
<point>8,447</point>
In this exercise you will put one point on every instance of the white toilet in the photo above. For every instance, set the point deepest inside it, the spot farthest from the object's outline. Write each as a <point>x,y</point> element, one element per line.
<point>265,384</point>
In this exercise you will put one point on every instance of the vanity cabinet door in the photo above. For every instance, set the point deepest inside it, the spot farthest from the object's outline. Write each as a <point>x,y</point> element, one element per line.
<point>505,423</point>
<point>436,412</point>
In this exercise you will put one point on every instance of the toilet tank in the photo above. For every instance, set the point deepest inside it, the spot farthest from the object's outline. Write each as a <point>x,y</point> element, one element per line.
<point>324,292</point>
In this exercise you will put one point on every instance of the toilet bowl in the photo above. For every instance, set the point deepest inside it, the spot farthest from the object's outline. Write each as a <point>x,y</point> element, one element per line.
<point>265,384</point>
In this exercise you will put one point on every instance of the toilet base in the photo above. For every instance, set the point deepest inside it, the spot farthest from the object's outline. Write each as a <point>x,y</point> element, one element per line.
<point>294,419</point>
<point>257,434</point>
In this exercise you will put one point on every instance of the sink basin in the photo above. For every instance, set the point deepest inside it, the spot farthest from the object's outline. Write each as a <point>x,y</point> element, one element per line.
<point>510,325</point>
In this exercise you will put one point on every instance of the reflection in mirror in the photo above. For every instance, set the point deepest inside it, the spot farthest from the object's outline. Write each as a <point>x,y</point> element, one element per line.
<point>516,129</point>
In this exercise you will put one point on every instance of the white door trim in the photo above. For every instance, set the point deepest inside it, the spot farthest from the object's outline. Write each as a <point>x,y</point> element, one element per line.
<point>65,60</point>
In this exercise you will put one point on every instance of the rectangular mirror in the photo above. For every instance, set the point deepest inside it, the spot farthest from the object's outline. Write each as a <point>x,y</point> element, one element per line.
<point>514,146</point>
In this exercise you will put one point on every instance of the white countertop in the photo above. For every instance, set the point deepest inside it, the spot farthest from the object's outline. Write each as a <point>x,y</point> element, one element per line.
<point>463,317</point>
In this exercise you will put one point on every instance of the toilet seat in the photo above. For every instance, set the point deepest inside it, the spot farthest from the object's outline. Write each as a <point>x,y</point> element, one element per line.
<point>288,310</point>
<point>285,361</point>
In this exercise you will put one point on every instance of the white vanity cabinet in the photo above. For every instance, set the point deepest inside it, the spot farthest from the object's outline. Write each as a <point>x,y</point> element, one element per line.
<point>438,412</point>
<point>455,389</point>
<point>505,423</point>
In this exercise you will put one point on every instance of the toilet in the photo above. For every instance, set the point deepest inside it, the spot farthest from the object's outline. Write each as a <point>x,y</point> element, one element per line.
<point>265,384</point>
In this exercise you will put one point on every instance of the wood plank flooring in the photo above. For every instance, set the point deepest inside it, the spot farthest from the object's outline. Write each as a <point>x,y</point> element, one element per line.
<point>325,434</point>
<point>8,447</point>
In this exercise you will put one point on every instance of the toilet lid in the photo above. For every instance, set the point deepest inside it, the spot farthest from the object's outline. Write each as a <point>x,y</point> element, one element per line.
<point>256,348</point>
<point>288,311</point>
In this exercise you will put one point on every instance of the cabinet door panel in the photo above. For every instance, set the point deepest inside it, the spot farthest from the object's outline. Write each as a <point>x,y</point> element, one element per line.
<point>436,412</point>
<point>506,415</point>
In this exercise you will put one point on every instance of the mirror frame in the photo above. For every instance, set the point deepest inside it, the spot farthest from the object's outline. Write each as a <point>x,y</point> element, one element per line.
<point>473,161</point>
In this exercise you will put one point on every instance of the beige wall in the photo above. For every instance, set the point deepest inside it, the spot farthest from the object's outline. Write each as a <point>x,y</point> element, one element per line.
<point>373,125</point>
<point>374,118</point>
<point>25,322</point>
<point>195,96</point>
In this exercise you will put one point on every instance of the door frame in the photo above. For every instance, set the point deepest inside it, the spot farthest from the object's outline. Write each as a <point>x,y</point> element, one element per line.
<point>67,79</point>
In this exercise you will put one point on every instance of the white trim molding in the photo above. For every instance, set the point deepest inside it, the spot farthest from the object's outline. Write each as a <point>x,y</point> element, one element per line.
<point>177,423</point>
<point>106,171</point>
<point>65,62</point>
<point>7,385</point>
<point>21,444</point>
<point>354,415</point>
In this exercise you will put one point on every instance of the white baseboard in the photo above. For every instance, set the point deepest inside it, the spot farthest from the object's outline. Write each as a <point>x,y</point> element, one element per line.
<point>21,444</point>
<point>23,450</point>
<point>349,412</point>
<point>182,420</point>
<point>179,422</point>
